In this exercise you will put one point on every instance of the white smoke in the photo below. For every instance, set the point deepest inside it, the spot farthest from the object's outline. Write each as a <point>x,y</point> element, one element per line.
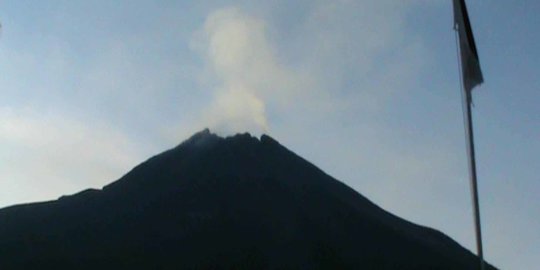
<point>245,71</point>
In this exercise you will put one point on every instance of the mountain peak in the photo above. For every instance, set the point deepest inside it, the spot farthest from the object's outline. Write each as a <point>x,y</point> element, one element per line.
<point>207,138</point>
<point>236,202</point>
<point>206,134</point>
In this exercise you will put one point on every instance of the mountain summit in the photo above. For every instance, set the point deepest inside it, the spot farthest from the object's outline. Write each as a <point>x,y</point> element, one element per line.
<point>221,203</point>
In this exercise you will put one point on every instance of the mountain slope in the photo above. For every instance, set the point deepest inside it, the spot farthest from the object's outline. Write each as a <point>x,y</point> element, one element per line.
<point>221,203</point>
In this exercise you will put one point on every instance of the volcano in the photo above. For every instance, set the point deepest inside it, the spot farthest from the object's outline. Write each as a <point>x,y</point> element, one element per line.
<point>239,202</point>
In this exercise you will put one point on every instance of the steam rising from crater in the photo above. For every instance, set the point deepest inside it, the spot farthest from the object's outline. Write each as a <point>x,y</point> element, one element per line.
<point>242,70</point>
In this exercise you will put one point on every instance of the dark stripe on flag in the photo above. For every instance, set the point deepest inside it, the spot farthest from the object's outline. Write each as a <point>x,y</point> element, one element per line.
<point>470,64</point>
<point>468,29</point>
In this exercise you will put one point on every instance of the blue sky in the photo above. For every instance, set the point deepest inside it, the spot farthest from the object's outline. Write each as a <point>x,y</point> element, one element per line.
<point>366,90</point>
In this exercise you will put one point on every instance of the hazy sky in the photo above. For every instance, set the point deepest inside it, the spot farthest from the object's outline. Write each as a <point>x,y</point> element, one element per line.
<point>366,90</point>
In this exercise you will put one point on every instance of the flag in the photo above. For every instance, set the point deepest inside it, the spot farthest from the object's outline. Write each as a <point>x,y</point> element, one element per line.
<point>470,64</point>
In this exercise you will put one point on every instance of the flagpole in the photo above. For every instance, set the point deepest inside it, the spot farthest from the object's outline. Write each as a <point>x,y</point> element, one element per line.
<point>474,182</point>
<point>466,103</point>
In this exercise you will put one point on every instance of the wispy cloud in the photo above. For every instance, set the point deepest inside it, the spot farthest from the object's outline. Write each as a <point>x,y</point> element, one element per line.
<point>44,155</point>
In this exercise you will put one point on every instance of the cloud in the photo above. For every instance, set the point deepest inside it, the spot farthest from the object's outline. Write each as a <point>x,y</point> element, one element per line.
<point>44,155</point>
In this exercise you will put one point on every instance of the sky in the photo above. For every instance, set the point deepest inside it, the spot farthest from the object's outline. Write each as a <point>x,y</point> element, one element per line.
<point>366,90</point>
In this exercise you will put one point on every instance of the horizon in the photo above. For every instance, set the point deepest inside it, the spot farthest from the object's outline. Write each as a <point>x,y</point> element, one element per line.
<point>368,91</point>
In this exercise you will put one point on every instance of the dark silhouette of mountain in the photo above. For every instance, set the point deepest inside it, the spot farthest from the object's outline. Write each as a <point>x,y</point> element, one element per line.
<point>221,203</point>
